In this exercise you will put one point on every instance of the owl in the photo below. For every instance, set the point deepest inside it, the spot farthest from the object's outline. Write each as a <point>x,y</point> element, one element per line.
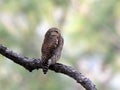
<point>51,48</point>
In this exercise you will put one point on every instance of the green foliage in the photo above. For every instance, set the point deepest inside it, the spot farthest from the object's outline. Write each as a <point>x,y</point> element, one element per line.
<point>91,29</point>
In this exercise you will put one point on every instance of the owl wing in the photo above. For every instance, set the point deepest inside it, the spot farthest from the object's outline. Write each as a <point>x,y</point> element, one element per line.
<point>48,47</point>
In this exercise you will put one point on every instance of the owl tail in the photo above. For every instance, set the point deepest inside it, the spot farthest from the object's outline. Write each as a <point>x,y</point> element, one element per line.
<point>45,66</point>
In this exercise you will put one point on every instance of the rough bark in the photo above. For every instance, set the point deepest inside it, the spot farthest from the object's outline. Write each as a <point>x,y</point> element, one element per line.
<point>35,63</point>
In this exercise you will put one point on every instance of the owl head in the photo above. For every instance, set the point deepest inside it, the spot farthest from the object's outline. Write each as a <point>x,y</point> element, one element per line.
<point>53,32</point>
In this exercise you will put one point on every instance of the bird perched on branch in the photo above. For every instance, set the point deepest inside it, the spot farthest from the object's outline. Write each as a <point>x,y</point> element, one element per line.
<point>51,48</point>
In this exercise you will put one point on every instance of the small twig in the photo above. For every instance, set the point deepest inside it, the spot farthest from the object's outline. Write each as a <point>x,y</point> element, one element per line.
<point>32,63</point>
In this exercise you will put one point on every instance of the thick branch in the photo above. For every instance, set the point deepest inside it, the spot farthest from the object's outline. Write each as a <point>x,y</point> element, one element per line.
<point>31,64</point>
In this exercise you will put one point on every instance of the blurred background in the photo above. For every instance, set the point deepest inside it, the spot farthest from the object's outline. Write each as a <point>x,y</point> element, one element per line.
<point>91,31</point>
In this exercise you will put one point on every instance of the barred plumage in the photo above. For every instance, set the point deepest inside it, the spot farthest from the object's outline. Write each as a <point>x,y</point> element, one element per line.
<point>51,48</point>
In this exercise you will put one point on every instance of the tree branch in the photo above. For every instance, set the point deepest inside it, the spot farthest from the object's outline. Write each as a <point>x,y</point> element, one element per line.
<point>34,63</point>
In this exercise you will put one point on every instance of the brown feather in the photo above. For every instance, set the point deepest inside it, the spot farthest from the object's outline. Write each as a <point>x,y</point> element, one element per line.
<point>51,47</point>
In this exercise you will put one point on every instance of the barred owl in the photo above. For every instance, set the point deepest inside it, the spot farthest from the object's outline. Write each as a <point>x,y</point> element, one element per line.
<point>51,48</point>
